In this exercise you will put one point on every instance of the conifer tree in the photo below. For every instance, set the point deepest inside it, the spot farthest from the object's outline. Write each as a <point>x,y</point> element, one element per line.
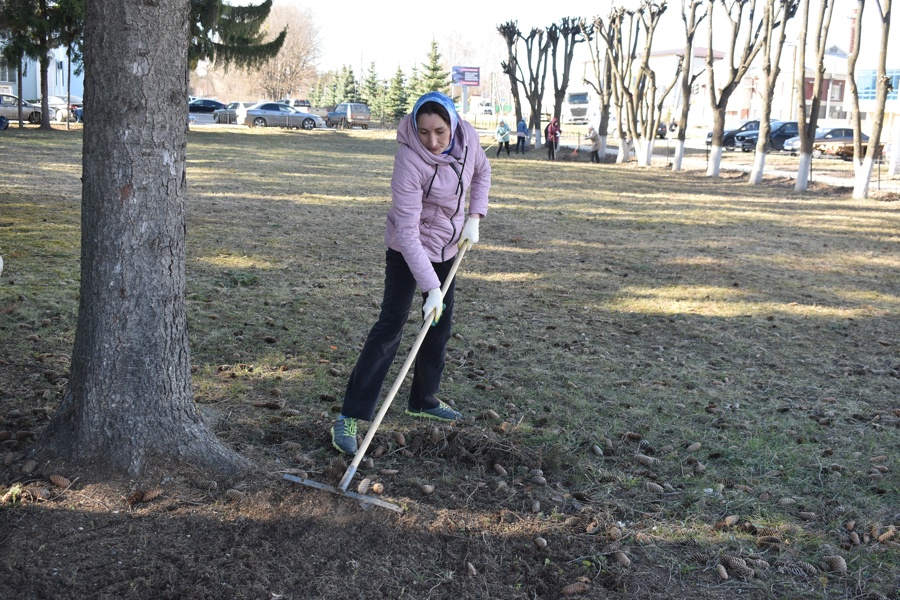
<point>231,35</point>
<point>397,97</point>
<point>434,78</point>
<point>413,88</point>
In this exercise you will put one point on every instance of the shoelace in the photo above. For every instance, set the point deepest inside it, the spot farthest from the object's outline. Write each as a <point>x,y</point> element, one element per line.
<point>349,426</point>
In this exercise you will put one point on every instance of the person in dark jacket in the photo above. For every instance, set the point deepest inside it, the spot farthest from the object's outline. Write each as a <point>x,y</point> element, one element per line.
<point>440,160</point>
<point>521,136</point>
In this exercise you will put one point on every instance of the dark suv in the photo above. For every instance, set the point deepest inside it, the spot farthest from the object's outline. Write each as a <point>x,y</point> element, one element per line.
<point>728,141</point>
<point>779,132</point>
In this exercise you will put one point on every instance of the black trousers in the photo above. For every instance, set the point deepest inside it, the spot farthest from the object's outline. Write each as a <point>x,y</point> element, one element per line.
<point>501,146</point>
<point>378,353</point>
<point>595,156</point>
<point>520,144</point>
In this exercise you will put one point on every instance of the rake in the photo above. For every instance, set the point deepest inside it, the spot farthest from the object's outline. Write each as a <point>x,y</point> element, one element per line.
<point>341,488</point>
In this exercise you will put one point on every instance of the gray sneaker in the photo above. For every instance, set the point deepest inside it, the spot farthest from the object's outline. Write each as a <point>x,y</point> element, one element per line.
<point>343,435</point>
<point>441,412</point>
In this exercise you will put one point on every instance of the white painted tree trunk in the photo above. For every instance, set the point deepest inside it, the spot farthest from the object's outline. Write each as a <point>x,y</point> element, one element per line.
<point>644,152</point>
<point>679,155</point>
<point>759,165</point>
<point>803,169</point>
<point>862,179</point>
<point>624,151</point>
<point>715,161</point>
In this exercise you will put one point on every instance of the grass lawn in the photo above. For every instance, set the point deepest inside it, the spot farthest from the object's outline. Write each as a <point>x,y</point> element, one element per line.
<point>675,386</point>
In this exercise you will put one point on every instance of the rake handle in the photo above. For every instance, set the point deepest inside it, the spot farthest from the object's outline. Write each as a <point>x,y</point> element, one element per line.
<point>376,422</point>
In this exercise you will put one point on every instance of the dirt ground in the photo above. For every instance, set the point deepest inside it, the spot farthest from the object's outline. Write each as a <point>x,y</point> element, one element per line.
<point>666,380</point>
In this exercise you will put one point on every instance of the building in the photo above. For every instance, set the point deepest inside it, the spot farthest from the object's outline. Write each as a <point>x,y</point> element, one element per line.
<point>57,78</point>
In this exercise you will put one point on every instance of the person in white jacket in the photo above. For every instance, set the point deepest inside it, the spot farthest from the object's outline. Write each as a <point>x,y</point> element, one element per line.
<point>439,162</point>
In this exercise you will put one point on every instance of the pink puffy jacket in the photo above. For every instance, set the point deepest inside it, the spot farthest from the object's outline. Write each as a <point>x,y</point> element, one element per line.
<point>428,198</point>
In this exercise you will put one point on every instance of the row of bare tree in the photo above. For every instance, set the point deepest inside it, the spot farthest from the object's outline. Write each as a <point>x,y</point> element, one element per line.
<point>754,30</point>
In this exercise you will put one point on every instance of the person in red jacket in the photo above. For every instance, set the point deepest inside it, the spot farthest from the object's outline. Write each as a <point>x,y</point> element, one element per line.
<point>439,162</point>
<point>551,135</point>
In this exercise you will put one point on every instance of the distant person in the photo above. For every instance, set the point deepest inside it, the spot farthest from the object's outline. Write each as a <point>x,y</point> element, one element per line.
<point>673,126</point>
<point>439,161</point>
<point>521,135</point>
<point>502,135</point>
<point>551,136</point>
<point>594,138</point>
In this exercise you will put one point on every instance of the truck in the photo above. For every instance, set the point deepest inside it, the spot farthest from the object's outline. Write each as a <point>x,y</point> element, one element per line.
<point>348,114</point>
<point>577,107</point>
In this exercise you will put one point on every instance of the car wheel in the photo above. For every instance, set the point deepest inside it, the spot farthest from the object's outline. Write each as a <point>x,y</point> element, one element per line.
<point>34,118</point>
<point>308,124</point>
<point>259,122</point>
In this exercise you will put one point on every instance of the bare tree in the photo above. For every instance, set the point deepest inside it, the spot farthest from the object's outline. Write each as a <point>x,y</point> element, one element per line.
<point>510,33</point>
<point>776,14</point>
<point>864,165</point>
<point>691,20</point>
<point>295,65</point>
<point>738,13</point>
<point>129,405</point>
<point>636,84</point>
<point>808,126</point>
<point>536,58</point>
<point>602,82</point>
<point>569,32</point>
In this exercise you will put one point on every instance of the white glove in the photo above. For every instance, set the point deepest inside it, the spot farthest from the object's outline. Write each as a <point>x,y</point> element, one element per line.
<point>469,235</point>
<point>434,303</point>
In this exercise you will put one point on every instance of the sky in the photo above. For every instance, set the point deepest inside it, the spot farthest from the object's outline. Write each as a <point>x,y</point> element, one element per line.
<point>399,33</point>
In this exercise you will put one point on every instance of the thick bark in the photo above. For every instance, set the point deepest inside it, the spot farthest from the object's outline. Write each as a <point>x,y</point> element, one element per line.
<point>129,403</point>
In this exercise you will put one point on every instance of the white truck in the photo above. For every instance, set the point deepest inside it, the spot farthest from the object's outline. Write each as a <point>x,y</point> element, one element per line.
<point>578,107</point>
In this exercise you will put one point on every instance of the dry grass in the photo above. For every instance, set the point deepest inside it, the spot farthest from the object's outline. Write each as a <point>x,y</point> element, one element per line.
<point>636,310</point>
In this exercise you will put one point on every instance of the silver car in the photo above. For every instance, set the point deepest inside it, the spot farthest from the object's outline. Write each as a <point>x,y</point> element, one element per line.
<point>233,113</point>
<point>275,114</point>
<point>61,108</point>
<point>9,108</point>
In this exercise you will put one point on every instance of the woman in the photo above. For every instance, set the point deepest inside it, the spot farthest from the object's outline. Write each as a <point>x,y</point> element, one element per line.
<point>551,135</point>
<point>594,138</point>
<point>502,135</point>
<point>440,159</point>
<point>521,135</point>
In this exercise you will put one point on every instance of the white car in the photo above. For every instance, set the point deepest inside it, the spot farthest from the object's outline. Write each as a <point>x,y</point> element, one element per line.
<point>60,110</point>
<point>275,114</point>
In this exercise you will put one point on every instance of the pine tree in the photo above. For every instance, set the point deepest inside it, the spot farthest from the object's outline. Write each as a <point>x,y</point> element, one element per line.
<point>231,35</point>
<point>347,88</point>
<point>413,89</point>
<point>434,78</point>
<point>371,86</point>
<point>395,103</point>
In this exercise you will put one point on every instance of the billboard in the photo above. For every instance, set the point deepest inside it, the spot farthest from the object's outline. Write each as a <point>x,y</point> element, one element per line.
<point>466,75</point>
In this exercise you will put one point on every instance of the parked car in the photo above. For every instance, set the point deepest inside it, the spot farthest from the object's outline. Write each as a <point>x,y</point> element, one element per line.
<point>839,142</point>
<point>234,112</point>
<point>779,132</point>
<point>661,130</point>
<point>205,105</point>
<point>348,114</point>
<point>728,141</point>
<point>61,108</point>
<point>297,103</point>
<point>9,108</point>
<point>275,114</point>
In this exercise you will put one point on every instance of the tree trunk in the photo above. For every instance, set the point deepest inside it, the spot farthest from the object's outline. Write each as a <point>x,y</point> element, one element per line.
<point>129,404</point>
<point>759,166</point>
<point>679,155</point>
<point>803,170</point>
